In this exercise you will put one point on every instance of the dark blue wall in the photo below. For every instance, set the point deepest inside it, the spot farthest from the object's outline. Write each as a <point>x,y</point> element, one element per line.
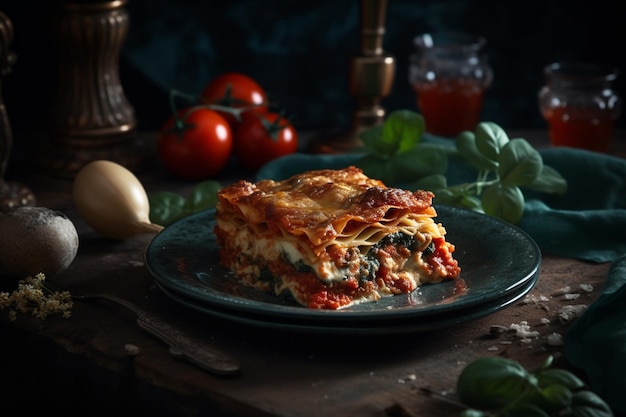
<point>299,51</point>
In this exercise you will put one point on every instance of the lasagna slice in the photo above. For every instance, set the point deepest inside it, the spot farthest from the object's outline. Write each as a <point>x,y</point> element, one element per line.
<point>331,238</point>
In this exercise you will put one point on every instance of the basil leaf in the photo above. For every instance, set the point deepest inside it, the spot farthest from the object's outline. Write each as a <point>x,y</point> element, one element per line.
<point>165,207</point>
<point>556,397</point>
<point>419,162</point>
<point>490,138</point>
<point>504,201</point>
<point>588,404</point>
<point>372,140</point>
<point>560,377</point>
<point>549,181</point>
<point>403,129</point>
<point>492,382</point>
<point>203,196</point>
<point>520,163</point>
<point>466,144</point>
<point>376,166</point>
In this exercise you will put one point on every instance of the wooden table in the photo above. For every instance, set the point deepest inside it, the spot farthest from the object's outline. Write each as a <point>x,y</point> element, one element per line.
<point>80,367</point>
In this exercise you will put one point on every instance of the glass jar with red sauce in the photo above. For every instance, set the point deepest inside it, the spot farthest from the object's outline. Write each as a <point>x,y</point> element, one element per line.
<point>579,104</point>
<point>450,73</point>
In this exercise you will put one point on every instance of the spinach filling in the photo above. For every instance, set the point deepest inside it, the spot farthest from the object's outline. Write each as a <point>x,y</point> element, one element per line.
<point>266,275</point>
<point>299,265</point>
<point>371,263</point>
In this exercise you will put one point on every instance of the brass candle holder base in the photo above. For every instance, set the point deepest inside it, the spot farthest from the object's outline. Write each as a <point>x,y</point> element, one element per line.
<point>334,141</point>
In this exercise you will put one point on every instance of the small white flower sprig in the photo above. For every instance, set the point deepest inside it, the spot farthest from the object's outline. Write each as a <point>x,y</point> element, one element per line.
<point>33,297</point>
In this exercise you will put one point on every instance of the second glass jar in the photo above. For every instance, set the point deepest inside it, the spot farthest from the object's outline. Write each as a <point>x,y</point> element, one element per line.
<point>580,105</point>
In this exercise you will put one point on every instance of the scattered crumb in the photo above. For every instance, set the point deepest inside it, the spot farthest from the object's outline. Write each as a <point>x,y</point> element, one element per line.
<point>571,296</point>
<point>534,299</point>
<point>492,348</point>
<point>571,312</point>
<point>545,321</point>
<point>586,287</point>
<point>554,339</point>
<point>522,330</point>
<point>561,291</point>
<point>407,378</point>
<point>131,350</point>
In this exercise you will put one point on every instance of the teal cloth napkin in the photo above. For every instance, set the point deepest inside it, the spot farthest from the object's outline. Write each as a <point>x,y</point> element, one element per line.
<point>588,222</point>
<point>596,342</point>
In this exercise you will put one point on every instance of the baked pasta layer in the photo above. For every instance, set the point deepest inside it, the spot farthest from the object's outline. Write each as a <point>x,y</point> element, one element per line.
<point>331,238</point>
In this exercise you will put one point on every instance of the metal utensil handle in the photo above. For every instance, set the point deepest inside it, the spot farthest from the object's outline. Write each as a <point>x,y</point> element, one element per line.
<point>183,347</point>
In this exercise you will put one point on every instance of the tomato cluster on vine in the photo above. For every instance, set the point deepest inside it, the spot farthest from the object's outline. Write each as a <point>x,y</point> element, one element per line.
<point>233,116</point>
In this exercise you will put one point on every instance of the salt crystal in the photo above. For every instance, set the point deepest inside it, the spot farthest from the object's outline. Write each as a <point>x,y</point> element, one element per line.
<point>562,291</point>
<point>533,299</point>
<point>523,330</point>
<point>131,350</point>
<point>554,339</point>
<point>571,312</point>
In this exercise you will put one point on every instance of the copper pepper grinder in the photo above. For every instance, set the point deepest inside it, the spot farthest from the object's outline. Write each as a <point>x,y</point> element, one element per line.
<point>12,194</point>
<point>91,118</point>
<point>370,79</point>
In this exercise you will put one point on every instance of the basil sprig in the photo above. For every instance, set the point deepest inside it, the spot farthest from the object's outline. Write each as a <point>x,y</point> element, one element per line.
<point>500,387</point>
<point>394,153</point>
<point>167,206</point>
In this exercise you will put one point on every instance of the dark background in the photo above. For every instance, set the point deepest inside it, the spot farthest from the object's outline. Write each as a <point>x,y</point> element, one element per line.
<point>299,52</point>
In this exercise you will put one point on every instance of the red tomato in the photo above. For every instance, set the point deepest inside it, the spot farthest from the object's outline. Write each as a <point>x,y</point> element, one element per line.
<point>196,145</point>
<point>261,137</point>
<point>234,90</point>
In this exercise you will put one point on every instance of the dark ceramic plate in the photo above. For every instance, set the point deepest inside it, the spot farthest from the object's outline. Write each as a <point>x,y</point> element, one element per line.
<point>499,264</point>
<point>368,327</point>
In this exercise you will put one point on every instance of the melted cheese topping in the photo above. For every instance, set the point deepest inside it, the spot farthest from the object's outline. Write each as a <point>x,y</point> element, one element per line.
<point>323,204</point>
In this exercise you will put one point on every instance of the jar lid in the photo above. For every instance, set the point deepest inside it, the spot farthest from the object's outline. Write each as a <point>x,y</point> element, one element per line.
<point>580,73</point>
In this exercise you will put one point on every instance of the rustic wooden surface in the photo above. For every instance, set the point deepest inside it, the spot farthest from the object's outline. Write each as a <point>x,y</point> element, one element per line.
<point>79,366</point>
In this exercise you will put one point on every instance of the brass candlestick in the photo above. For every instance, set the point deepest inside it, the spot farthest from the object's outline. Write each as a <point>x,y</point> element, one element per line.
<point>370,80</point>
<point>91,119</point>
<point>12,194</point>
